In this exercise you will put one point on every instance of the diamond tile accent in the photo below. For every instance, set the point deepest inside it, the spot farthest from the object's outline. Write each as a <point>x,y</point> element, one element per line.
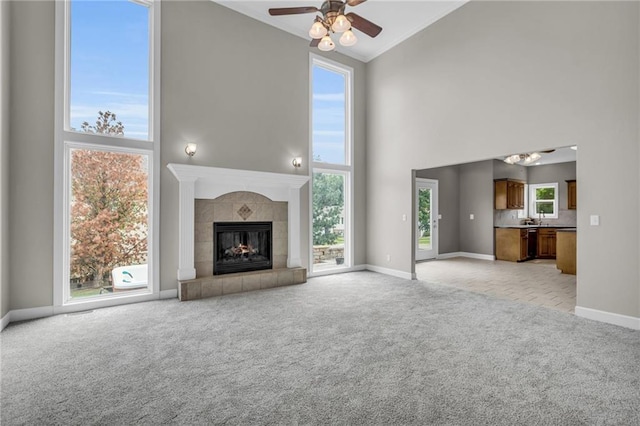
<point>245,212</point>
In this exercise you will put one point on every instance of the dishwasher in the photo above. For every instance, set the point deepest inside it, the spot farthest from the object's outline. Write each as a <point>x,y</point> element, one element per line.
<point>532,245</point>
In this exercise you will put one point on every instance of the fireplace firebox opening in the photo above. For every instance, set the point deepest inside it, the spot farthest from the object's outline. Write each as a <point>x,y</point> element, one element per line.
<point>242,247</point>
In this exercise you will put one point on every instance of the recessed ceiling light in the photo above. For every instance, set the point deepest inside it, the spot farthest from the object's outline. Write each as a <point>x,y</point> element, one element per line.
<point>575,147</point>
<point>538,163</point>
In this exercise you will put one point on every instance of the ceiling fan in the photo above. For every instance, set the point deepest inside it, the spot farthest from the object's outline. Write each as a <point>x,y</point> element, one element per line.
<point>333,20</point>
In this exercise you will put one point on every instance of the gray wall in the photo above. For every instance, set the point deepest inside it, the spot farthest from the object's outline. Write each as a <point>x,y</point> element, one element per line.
<point>476,197</point>
<point>31,168</point>
<point>464,189</point>
<point>4,158</point>
<point>448,206</point>
<point>494,78</point>
<point>502,170</point>
<point>243,101</point>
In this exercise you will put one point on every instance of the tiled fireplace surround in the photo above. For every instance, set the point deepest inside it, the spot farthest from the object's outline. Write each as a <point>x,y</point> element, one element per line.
<point>208,195</point>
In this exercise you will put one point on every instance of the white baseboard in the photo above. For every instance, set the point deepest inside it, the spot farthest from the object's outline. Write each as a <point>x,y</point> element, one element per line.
<point>169,294</point>
<point>466,254</point>
<point>608,317</point>
<point>392,272</point>
<point>47,311</point>
<point>30,313</point>
<point>5,320</point>
<point>337,271</point>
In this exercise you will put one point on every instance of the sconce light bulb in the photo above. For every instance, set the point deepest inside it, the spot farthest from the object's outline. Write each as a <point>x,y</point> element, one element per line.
<point>190,149</point>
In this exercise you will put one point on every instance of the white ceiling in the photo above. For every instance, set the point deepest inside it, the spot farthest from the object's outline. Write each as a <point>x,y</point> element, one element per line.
<point>399,20</point>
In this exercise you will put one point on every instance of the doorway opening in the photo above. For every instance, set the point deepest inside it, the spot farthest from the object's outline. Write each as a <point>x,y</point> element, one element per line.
<point>426,234</point>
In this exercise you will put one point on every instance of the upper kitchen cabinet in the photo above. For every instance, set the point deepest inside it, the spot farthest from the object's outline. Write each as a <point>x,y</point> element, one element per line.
<point>509,194</point>
<point>572,195</point>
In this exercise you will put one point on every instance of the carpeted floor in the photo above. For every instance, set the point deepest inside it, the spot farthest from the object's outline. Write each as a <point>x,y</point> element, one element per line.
<point>359,348</point>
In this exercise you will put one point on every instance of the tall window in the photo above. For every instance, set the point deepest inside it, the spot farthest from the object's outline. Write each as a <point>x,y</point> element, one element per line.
<point>332,165</point>
<point>106,149</point>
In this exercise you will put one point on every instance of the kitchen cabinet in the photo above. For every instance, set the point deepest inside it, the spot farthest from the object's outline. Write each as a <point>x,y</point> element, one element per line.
<point>512,244</point>
<point>572,195</point>
<point>546,243</point>
<point>566,251</point>
<point>509,194</point>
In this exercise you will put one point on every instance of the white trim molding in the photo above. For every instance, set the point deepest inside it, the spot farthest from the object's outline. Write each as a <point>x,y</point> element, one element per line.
<point>608,317</point>
<point>5,320</point>
<point>391,272</point>
<point>201,182</point>
<point>466,254</point>
<point>169,294</point>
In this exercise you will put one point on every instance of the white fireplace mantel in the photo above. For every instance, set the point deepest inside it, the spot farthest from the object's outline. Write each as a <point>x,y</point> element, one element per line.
<point>211,182</point>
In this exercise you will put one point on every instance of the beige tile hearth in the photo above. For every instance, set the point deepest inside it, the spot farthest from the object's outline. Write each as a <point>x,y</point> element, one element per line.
<point>219,285</point>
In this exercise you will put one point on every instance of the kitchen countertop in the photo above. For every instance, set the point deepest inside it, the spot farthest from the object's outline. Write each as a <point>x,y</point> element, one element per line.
<point>564,227</point>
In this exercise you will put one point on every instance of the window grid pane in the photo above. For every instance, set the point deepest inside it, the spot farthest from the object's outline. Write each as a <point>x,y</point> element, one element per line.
<point>329,110</point>
<point>109,68</point>
<point>108,222</point>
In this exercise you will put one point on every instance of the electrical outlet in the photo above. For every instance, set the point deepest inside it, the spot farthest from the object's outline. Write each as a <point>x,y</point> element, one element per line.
<point>388,258</point>
<point>471,216</point>
<point>595,220</point>
<point>404,217</point>
<point>439,216</point>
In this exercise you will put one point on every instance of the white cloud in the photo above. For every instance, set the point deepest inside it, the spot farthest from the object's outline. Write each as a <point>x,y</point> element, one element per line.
<point>118,94</point>
<point>329,97</point>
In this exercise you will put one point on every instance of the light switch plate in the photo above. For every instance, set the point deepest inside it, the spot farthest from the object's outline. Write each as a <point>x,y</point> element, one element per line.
<point>471,216</point>
<point>595,220</point>
<point>439,216</point>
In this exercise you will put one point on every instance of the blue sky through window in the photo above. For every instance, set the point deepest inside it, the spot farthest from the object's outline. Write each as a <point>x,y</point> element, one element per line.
<point>110,64</point>
<point>328,116</point>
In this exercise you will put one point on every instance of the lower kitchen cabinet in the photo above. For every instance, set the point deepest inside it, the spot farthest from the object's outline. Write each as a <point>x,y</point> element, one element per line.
<point>546,243</point>
<point>512,244</point>
<point>566,251</point>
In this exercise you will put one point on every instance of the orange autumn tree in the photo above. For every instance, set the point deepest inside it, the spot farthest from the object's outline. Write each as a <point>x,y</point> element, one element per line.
<point>108,207</point>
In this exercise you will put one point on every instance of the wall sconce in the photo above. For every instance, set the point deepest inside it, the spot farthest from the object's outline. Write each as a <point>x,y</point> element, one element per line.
<point>297,162</point>
<point>190,149</point>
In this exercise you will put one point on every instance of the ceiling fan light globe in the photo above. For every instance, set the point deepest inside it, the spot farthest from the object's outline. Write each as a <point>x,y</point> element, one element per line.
<point>326,44</point>
<point>534,156</point>
<point>348,38</point>
<point>341,24</point>
<point>317,31</point>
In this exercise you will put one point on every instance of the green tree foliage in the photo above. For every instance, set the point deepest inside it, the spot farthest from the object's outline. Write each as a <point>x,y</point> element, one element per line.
<point>328,203</point>
<point>108,207</point>
<point>547,193</point>
<point>424,212</point>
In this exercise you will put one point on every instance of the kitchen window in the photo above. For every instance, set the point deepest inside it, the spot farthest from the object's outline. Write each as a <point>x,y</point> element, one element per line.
<point>543,200</point>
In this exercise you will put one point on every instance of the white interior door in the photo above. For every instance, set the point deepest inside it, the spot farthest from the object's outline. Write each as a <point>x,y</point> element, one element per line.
<point>426,237</point>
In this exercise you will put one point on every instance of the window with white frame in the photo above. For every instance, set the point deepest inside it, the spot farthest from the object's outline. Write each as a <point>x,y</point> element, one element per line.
<point>543,200</point>
<point>107,149</point>
<point>331,165</point>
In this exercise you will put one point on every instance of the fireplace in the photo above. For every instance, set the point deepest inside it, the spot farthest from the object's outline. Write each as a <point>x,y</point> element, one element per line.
<point>242,247</point>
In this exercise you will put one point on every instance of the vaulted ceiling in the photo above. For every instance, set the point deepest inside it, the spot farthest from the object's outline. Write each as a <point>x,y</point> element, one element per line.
<point>399,20</point>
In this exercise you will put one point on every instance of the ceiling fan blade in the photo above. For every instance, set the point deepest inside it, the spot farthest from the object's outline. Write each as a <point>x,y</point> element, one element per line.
<point>364,25</point>
<point>292,10</point>
<point>314,42</point>
<point>355,2</point>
